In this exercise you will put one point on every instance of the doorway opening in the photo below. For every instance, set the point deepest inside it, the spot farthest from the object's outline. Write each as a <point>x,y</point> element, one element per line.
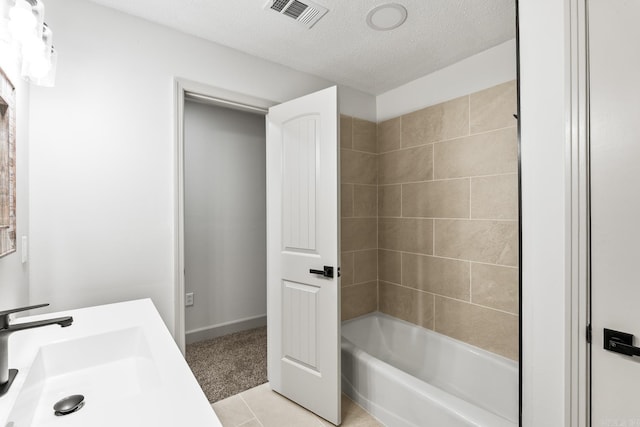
<point>221,320</point>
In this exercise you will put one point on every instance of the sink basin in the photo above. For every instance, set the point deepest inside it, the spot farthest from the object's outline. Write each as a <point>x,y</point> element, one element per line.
<point>112,370</point>
<point>120,357</point>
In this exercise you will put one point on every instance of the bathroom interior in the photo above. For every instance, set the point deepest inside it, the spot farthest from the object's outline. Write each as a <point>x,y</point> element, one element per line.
<point>428,196</point>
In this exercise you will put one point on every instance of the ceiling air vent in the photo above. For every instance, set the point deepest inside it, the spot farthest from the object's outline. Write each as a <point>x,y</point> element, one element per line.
<point>305,12</point>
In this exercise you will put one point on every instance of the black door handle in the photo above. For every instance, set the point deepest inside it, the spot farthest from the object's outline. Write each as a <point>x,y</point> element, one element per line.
<point>327,271</point>
<point>620,342</point>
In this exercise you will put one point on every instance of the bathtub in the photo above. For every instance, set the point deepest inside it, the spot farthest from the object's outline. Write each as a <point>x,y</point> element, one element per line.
<point>407,376</point>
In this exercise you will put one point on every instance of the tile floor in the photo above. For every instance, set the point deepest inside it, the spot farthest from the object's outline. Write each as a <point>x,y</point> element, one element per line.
<point>261,407</point>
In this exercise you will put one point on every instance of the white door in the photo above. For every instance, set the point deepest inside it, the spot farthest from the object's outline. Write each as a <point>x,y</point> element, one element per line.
<point>614,48</point>
<point>303,307</point>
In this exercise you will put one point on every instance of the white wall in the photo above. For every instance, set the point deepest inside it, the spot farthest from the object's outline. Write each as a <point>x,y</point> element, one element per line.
<point>225,215</point>
<point>486,69</point>
<point>102,151</point>
<point>544,83</point>
<point>14,275</point>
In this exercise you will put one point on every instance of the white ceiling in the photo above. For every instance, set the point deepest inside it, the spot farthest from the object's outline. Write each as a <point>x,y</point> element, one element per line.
<point>341,47</point>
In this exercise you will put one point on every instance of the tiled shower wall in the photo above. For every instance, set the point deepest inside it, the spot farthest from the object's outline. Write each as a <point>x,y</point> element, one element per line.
<point>446,219</point>
<point>359,216</point>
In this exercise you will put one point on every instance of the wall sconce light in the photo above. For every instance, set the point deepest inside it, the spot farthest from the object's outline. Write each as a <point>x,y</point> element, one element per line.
<point>31,39</point>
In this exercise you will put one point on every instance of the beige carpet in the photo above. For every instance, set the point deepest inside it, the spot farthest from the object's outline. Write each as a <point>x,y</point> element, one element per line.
<point>228,365</point>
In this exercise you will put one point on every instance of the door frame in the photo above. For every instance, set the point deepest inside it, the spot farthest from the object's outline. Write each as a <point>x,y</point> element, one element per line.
<point>185,89</point>
<point>555,279</point>
<point>579,218</point>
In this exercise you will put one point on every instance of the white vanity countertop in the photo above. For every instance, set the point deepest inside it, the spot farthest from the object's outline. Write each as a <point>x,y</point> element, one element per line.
<point>174,399</point>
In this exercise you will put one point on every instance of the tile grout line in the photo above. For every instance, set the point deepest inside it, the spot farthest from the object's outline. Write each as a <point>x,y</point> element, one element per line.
<point>469,116</point>
<point>377,219</point>
<point>488,175</point>
<point>470,135</point>
<point>248,421</point>
<point>250,410</point>
<point>470,284</point>
<point>377,228</point>
<point>434,312</point>
<point>401,264</point>
<point>470,216</point>
<point>452,298</point>
<point>433,237</point>
<point>319,418</point>
<point>433,162</point>
<point>514,220</point>
<point>449,258</point>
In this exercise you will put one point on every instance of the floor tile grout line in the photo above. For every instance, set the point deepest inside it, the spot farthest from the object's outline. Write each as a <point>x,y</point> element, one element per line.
<point>250,410</point>
<point>248,421</point>
<point>320,423</point>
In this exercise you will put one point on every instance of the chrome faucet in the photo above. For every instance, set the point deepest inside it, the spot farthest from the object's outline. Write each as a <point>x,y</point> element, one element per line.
<point>8,375</point>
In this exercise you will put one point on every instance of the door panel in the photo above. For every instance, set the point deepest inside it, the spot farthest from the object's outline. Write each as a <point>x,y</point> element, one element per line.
<point>300,140</point>
<point>303,309</point>
<point>614,59</point>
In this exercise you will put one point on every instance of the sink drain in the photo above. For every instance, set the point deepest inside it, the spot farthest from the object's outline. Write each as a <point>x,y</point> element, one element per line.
<point>68,405</point>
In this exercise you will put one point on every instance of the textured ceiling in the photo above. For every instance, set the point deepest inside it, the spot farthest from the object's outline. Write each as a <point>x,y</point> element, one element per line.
<point>340,47</point>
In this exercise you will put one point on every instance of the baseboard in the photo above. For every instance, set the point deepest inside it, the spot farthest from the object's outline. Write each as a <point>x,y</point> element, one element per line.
<point>226,328</point>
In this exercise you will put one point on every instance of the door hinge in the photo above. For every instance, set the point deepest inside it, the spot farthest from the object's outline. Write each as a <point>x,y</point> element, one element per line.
<point>589,334</point>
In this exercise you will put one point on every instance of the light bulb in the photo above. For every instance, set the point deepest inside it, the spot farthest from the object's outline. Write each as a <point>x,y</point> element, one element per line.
<point>32,46</point>
<point>39,67</point>
<point>22,21</point>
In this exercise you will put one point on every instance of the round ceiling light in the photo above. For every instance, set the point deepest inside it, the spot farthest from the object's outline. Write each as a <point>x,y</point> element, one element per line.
<point>386,16</point>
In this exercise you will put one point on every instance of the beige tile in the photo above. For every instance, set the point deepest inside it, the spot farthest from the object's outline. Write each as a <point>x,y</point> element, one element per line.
<point>274,410</point>
<point>346,268</point>
<point>436,123</point>
<point>346,126</point>
<point>414,164</point>
<point>389,135</point>
<point>346,200</point>
<point>406,304</point>
<point>358,168</point>
<point>492,330</point>
<point>436,199</point>
<point>493,242</point>
<point>253,423</point>
<point>358,300</point>
<point>493,108</point>
<point>353,416</point>
<point>495,197</point>
<point>232,411</point>
<point>389,200</point>
<point>364,135</point>
<point>441,276</point>
<point>495,286</point>
<point>485,154</point>
<point>406,234</point>
<point>366,265</point>
<point>358,234</point>
<point>389,266</point>
<point>365,200</point>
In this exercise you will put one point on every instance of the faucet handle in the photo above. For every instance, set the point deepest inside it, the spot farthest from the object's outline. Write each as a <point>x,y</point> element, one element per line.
<point>19,309</point>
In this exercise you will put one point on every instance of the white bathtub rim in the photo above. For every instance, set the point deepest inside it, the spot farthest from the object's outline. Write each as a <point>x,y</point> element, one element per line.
<point>468,412</point>
<point>507,363</point>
